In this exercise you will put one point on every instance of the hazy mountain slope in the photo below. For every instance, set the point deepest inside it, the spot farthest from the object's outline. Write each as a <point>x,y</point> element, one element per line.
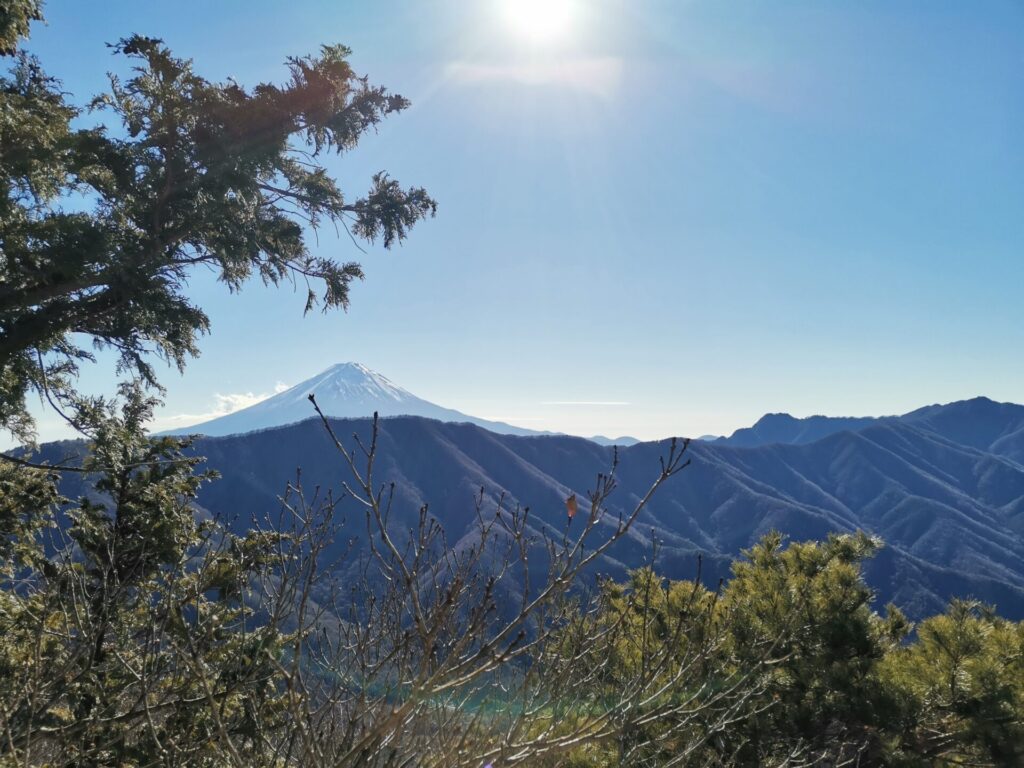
<point>345,390</point>
<point>350,390</point>
<point>979,423</point>
<point>783,428</point>
<point>949,513</point>
<point>941,485</point>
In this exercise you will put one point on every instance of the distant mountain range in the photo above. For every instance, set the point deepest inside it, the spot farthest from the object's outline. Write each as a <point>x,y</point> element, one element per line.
<point>350,390</point>
<point>943,485</point>
<point>788,430</point>
<point>979,423</point>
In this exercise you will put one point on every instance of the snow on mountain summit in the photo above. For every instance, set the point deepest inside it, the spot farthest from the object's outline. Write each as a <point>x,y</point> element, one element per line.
<point>351,382</point>
<point>345,390</point>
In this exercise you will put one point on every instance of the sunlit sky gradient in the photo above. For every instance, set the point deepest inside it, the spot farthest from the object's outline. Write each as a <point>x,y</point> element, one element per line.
<point>688,213</point>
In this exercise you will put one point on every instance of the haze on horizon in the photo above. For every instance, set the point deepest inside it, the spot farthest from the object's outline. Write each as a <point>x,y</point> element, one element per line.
<point>655,218</point>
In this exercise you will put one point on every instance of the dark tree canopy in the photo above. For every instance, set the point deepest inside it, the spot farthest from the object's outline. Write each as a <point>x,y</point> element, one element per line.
<point>15,16</point>
<point>100,227</point>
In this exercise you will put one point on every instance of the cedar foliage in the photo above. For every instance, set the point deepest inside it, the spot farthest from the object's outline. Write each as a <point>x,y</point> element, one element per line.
<point>137,630</point>
<point>199,174</point>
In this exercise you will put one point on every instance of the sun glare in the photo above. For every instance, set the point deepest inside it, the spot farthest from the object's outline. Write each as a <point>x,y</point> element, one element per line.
<point>539,21</point>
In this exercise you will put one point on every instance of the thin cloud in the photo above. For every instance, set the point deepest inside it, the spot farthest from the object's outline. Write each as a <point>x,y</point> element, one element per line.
<point>599,76</point>
<point>585,402</point>
<point>225,404</point>
<point>490,417</point>
<point>222,406</point>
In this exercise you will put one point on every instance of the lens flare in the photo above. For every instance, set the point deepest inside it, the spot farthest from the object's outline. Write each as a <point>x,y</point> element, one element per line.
<point>539,21</point>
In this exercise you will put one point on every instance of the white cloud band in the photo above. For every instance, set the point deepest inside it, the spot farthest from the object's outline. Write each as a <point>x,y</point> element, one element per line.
<point>599,76</point>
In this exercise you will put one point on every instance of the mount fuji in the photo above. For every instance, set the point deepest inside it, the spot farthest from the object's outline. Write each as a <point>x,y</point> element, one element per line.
<point>345,391</point>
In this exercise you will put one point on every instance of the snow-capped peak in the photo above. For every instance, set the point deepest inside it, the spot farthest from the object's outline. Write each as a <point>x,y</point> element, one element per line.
<point>345,390</point>
<point>351,380</point>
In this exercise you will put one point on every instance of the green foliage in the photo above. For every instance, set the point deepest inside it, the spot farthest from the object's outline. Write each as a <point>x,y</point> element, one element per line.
<point>132,630</point>
<point>135,631</point>
<point>839,684</point>
<point>15,16</point>
<point>202,173</point>
<point>661,682</point>
<point>963,679</point>
<point>26,496</point>
<point>134,642</point>
<point>809,603</point>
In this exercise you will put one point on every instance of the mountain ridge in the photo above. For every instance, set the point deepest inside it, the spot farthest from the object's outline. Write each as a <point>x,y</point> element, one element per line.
<point>1005,420</point>
<point>951,513</point>
<point>943,486</point>
<point>350,390</point>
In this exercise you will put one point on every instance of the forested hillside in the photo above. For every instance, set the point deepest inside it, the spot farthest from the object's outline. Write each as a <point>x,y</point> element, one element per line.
<point>948,513</point>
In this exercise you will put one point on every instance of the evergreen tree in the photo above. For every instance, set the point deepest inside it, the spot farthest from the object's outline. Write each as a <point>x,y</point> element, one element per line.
<point>200,173</point>
<point>810,603</point>
<point>963,681</point>
<point>135,630</point>
<point>131,638</point>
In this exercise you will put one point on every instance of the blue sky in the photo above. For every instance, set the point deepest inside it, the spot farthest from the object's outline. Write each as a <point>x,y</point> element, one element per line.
<point>698,211</point>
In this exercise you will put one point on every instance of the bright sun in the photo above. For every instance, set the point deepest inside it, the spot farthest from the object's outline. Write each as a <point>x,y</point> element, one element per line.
<point>539,21</point>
